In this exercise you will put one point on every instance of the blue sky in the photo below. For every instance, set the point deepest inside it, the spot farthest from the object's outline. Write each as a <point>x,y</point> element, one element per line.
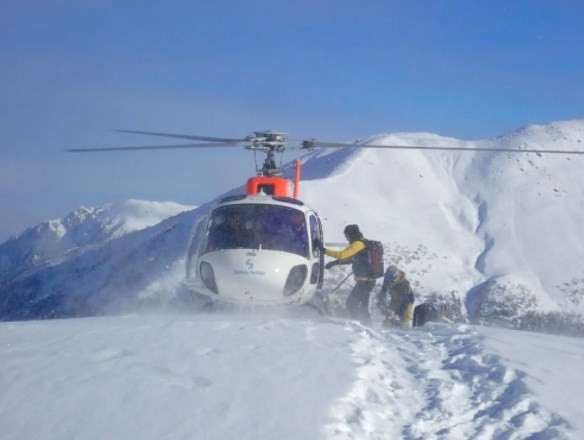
<point>336,70</point>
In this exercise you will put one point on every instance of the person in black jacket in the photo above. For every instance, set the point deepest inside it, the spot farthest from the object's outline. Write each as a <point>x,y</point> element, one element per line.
<point>357,255</point>
<point>397,309</point>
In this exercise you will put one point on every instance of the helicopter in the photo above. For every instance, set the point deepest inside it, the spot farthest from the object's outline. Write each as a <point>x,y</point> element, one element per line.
<point>264,247</point>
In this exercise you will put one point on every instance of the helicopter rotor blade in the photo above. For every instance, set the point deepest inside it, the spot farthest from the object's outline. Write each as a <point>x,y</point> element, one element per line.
<point>150,147</point>
<point>315,144</point>
<point>181,136</point>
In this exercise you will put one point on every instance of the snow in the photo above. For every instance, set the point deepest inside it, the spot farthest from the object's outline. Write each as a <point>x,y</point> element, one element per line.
<point>500,233</point>
<point>52,256</point>
<point>163,377</point>
<point>82,229</point>
<point>134,215</point>
<point>277,375</point>
<point>554,366</point>
<point>496,223</point>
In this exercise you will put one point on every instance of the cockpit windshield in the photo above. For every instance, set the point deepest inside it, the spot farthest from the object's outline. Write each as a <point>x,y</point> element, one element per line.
<point>250,226</point>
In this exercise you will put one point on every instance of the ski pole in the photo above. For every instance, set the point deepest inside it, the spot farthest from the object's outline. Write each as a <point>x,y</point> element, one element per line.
<point>340,284</point>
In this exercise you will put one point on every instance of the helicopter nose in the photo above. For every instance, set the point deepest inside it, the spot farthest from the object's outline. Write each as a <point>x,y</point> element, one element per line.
<point>268,277</point>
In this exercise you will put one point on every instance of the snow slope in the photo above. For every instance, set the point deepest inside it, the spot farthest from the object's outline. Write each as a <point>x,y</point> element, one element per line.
<point>54,268</point>
<point>271,376</point>
<point>502,232</point>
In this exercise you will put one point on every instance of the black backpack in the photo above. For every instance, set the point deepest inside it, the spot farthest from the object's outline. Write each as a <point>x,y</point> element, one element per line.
<point>375,251</point>
<point>424,313</point>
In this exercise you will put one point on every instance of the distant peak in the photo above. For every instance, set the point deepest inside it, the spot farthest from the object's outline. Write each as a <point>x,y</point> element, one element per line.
<point>564,127</point>
<point>408,138</point>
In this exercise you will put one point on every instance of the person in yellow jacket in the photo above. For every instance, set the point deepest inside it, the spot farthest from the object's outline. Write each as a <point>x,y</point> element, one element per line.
<point>398,308</point>
<point>356,254</point>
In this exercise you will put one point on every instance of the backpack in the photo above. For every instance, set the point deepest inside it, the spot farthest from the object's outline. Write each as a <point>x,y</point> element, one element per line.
<point>375,251</point>
<point>424,313</point>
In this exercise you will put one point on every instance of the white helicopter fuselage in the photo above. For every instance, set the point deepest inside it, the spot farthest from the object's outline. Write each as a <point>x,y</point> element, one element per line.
<point>252,277</point>
<point>262,264</point>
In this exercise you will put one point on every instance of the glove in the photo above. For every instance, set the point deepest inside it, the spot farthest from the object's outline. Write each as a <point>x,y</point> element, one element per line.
<point>330,264</point>
<point>318,245</point>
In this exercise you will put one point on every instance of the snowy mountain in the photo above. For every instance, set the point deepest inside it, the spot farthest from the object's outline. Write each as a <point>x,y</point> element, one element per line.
<point>495,236</point>
<point>82,234</point>
<point>501,232</point>
<point>83,228</point>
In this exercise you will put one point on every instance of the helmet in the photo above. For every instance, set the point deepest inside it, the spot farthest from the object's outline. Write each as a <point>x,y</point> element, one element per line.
<point>391,273</point>
<point>352,232</point>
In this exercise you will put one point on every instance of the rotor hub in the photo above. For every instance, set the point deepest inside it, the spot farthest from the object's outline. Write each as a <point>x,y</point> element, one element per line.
<point>267,141</point>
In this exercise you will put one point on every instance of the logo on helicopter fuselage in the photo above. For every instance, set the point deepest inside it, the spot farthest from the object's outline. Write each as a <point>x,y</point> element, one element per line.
<point>249,271</point>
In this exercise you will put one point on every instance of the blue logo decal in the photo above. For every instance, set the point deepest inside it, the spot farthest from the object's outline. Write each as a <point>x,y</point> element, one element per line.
<point>249,264</point>
<point>249,270</point>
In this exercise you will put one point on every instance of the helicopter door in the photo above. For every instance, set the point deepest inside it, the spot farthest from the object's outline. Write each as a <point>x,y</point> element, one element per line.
<point>197,237</point>
<point>321,275</point>
<point>317,272</point>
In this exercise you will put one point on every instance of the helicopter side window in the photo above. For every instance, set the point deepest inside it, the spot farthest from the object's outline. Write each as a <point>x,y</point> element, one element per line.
<point>316,236</point>
<point>316,273</point>
<point>196,238</point>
